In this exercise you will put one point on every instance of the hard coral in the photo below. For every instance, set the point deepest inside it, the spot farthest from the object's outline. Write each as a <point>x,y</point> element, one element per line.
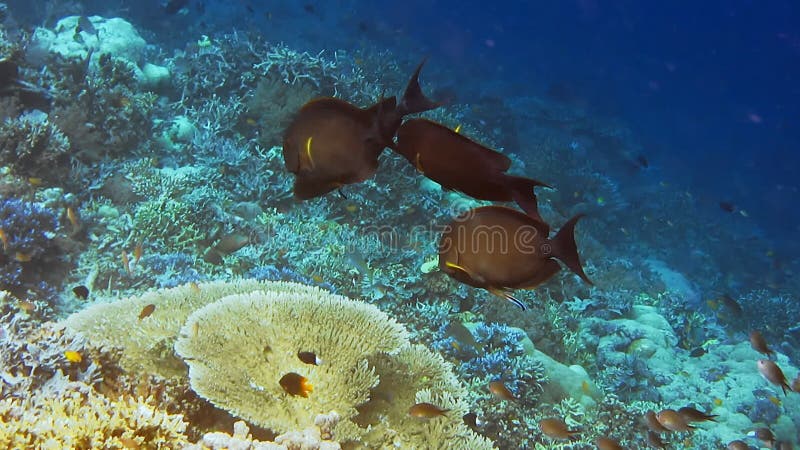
<point>148,345</point>
<point>32,145</point>
<point>28,245</point>
<point>74,416</point>
<point>341,332</point>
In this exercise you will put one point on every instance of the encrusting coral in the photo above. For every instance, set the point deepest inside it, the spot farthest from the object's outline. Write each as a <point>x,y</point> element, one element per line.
<point>148,345</point>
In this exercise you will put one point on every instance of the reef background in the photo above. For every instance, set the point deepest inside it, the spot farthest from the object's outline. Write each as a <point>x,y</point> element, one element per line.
<point>164,145</point>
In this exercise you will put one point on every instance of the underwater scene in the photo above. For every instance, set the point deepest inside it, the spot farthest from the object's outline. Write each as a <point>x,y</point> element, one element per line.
<point>426,224</point>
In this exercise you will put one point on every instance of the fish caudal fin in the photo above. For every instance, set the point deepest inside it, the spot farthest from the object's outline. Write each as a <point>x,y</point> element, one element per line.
<point>565,249</point>
<point>502,293</point>
<point>414,101</point>
<point>523,195</point>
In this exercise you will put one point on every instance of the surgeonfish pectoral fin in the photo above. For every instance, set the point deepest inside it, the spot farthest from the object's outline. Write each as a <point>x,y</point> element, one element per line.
<point>414,101</point>
<point>565,250</point>
<point>506,296</point>
<point>468,272</point>
<point>418,163</point>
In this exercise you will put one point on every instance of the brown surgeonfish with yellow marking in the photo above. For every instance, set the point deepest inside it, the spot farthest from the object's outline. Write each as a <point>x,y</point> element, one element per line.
<point>331,143</point>
<point>500,249</point>
<point>672,421</point>
<point>759,344</point>
<point>556,429</point>
<point>296,384</point>
<point>426,411</point>
<point>772,373</point>
<point>460,164</point>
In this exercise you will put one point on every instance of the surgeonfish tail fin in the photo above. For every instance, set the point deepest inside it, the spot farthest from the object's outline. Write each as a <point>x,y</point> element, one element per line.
<point>414,101</point>
<point>523,195</point>
<point>504,294</point>
<point>565,249</point>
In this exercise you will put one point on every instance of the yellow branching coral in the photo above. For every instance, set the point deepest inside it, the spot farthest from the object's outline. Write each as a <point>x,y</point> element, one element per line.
<point>239,348</point>
<point>147,343</point>
<point>78,417</point>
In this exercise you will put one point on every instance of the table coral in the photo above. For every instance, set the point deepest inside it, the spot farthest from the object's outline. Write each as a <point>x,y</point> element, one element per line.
<point>147,346</point>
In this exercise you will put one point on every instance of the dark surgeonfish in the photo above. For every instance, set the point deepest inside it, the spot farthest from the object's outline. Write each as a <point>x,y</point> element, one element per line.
<point>30,96</point>
<point>500,249</point>
<point>460,164</point>
<point>332,143</point>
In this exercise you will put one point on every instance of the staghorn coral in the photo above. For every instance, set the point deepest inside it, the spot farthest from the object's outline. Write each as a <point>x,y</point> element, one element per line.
<point>267,344</point>
<point>72,415</point>
<point>148,346</point>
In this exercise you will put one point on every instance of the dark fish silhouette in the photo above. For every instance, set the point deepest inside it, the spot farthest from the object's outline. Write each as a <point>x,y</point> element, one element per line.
<point>173,6</point>
<point>30,96</point>
<point>460,164</point>
<point>500,249</point>
<point>727,206</point>
<point>332,143</point>
<point>82,292</point>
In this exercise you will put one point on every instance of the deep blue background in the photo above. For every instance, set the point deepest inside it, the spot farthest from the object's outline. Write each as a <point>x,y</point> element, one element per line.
<point>710,88</point>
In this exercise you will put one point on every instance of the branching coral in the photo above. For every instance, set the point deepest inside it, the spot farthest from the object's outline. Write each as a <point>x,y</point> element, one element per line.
<point>32,144</point>
<point>72,415</point>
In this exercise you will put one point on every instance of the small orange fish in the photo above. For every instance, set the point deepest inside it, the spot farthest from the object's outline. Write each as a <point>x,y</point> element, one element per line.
<point>672,421</point>
<point>585,388</point>
<point>195,287</point>
<point>73,218</point>
<point>604,443</point>
<point>426,411</point>
<point>772,373</point>
<point>126,262</point>
<point>137,253</point>
<point>35,181</point>
<point>774,400</point>
<point>556,429</point>
<point>759,344</point>
<point>146,311</point>
<point>690,414</point>
<point>296,384</point>
<point>22,257</point>
<point>73,356</point>
<point>4,239</point>
<point>499,389</point>
<point>27,306</point>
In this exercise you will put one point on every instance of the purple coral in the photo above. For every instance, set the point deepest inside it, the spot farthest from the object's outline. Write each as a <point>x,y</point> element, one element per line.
<point>28,232</point>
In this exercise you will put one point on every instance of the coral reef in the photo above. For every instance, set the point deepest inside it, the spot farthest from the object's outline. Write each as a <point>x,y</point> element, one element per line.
<point>66,414</point>
<point>148,347</point>
<point>286,324</point>
<point>30,249</point>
